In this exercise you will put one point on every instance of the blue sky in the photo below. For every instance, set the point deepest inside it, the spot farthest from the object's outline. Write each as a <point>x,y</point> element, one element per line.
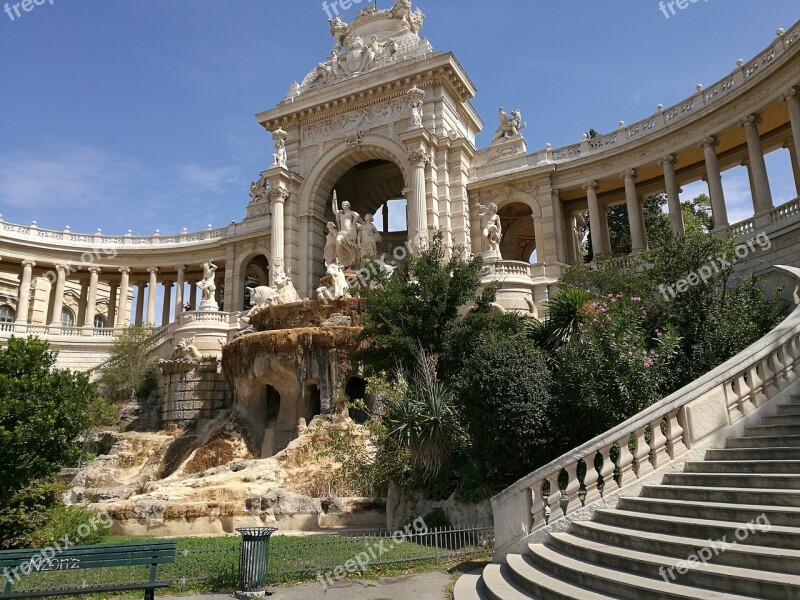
<point>139,114</point>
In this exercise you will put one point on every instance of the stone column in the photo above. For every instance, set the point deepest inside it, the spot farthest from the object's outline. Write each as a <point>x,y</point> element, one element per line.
<point>762,195</point>
<point>112,304</point>
<point>140,302</point>
<point>193,293</point>
<point>594,218</point>
<point>151,297</point>
<point>124,290</point>
<point>179,291</point>
<point>605,238</point>
<point>278,197</point>
<point>718,209</point>
<point>792,99</point>
<point>558,226</point>
<point>385,214</point>
<point>91,298</point>
<point>83,303</point>
<point>673,194</point>
<point>58,294</point>
<point>418,230</point>
<point>638,234</point>
<point>24,294</point>
<point>167,302</point>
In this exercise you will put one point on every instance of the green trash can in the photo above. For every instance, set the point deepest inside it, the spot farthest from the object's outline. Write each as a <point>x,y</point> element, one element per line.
<point>253,561</point>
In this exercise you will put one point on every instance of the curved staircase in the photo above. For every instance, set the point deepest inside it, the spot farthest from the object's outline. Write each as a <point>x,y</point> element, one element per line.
<point>701,522</point>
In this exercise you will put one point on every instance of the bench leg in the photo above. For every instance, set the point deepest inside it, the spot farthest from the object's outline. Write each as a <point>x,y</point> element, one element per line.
<point>149,594</point>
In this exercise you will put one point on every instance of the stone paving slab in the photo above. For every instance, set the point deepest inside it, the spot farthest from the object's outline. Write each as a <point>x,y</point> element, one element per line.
<point>423,586</point>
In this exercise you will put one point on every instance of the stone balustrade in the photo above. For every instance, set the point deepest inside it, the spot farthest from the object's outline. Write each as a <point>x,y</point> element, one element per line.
<point>785,211</point>
<point>650,440</point>
<point>743,228</point>
<point>704,98</point>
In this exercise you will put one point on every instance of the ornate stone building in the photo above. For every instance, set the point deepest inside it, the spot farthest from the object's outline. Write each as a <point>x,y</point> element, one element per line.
<point>387,120</point>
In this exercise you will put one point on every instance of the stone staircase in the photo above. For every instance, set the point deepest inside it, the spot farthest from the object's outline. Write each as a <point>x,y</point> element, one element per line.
<point>737,513</point>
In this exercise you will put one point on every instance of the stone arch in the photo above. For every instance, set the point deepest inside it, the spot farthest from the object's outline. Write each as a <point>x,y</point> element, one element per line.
<point>510,196</point>
<point>314,195</point>
<point>240,265</point>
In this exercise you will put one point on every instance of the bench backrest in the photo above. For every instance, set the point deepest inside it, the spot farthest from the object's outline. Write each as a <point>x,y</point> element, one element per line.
<point>88,557</point>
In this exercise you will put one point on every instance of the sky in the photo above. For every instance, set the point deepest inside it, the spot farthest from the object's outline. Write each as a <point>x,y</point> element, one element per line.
<point>140,114</point>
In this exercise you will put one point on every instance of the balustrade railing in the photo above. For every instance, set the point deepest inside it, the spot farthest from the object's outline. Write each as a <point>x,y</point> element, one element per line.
<point>747,227</point>
<point>785,211</point>
<point>651,439</point>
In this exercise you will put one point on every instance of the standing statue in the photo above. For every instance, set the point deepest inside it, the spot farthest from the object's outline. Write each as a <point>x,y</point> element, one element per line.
<point>279,158</point>
<point>509,126</point>
<point>259,189</point>
<point>368,238</point>
<point>348,221</point>
<point>208,287</point>
<point>492,229</point>
<point>330,244</point>
<point>416,95</point>
<point>375,50</point>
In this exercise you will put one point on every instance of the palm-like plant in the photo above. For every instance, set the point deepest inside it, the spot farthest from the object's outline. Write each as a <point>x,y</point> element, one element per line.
<point>426,421</point>
<point>564,315</point>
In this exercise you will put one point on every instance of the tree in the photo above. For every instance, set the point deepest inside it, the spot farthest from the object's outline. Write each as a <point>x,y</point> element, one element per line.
<point>412,310</point>
<point>130,369</point>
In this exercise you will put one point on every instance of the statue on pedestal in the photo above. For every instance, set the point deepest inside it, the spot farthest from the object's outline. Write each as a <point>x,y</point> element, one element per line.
<point>416,95</point>
<point>509,126</point>
<point>368,238</point>
<point>492,230</point>
<point>208,287</point>
<point>280,157</point>
<point>348,254</point>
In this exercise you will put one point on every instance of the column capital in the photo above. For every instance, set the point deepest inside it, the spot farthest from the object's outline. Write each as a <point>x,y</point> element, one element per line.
<point>28,264</point>
<point>94,270</point>
<point>752,120</point>
<point>669,159</point>
<point>555,192</point>
<point>790,94</point>
<point>152,270</point>
<point>419,157</point>
<point>590,185</point>
<point>62,269</point>
<point>279,194</point>
<point>125,270</point>
<point>628,174</point>
<point>709,142</point>
<point>181,268</point>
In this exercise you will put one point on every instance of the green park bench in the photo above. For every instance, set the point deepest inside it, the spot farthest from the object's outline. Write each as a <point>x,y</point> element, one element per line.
<point>85,569</point>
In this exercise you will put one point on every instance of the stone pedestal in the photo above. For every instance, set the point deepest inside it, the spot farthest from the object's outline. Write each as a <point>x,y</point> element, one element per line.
<point>209,306</point>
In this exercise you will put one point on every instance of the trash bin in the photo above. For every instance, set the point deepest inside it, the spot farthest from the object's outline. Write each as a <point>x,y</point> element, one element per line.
<point>253,561</point>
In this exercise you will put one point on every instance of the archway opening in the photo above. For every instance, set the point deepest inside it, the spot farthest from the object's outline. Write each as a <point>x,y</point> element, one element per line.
<point>519,233</point>
<point>356,392</point>
<point>256,274</point>
<point>313,402</point>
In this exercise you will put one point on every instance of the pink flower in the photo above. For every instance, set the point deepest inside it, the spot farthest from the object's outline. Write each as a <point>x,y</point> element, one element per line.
<point>630,354</point>
<point>648,362</point>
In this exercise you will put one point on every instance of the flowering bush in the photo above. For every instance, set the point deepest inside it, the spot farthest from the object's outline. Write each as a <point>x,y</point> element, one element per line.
<point>612,368</point>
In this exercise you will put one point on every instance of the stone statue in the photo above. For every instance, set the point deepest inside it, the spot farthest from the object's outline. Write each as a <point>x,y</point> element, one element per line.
<point>330,244</point>
<point>287,294</point>
<point>348,221</point>
<point>416,96</point>
<point>492,229</point>
<point>186,350</point>
<point>402,10</point>
<point>279,158</point>
<point>368,238</point>
<point>208,287</point>
<point>338,29</point>
<point>259,189</point>
<point>334,285</point>
<point>375,50</point>
<point>509,126</point>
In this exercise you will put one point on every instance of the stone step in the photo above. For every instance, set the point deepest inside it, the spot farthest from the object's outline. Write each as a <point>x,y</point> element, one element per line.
<point>768,430</point>
<point>789,409</point>
<point>737,454</point>
<point>768,441</point>
<point>470,586</point>
<point>764,481</point>
<point>763,516</point>
<point>544,584</point>
<point>786,467</point>
<point>723,494</point>
<point>793,419</point>
<point>778,536</point>
<point>722,578</point>
<point>741,555</point>
<point>500,584</point>
<point>616,583</point>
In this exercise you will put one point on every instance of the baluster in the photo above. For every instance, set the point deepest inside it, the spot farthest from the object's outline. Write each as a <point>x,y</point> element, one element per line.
<point>538,506</point>
<point>788,362</point>
<point>590,480</point>
<point>624,463</point>
<point>741,390</point>
<point>606,471</point>
<point>779,366</point>
<point>767,377</point>
<point>641,454</point>
<point>658,445</point>
<point>572,491</point>
<point>554,499</point>
<point>675,445</point>
<point>757,395</point>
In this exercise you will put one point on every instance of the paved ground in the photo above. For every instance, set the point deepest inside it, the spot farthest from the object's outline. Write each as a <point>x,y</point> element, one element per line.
<point>425,586</point>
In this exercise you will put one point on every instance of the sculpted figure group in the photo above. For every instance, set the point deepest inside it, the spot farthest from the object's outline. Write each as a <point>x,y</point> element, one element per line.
<point>351,239</point>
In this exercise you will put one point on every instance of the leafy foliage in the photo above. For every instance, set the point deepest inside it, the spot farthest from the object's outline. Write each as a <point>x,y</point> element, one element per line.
<point>130,370</point>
